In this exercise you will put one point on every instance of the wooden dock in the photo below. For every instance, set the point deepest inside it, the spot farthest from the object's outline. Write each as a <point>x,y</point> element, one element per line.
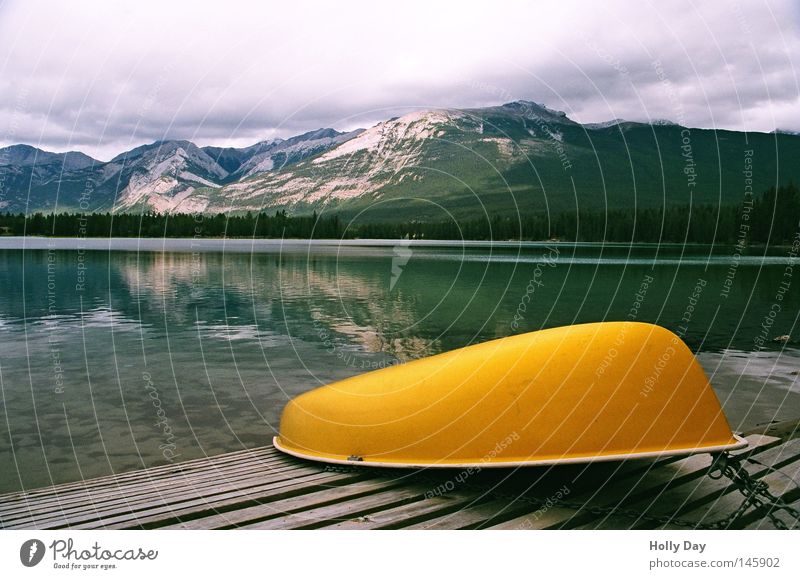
<point>264,489</point>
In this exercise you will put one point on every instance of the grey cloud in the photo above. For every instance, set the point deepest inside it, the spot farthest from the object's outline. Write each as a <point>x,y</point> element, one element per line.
<point>105,76</point>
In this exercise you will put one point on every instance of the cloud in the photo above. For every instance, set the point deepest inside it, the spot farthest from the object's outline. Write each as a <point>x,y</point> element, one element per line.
<point>102,77</point>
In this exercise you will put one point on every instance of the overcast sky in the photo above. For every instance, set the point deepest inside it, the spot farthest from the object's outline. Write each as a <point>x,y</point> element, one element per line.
<point>102,77</point>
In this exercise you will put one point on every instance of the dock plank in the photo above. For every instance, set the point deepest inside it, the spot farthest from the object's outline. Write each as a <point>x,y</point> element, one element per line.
<point>407,515</point>
<point>176,514</point>
<point>130,493</point>
<point>474,516</point>
<point>684,499</point>
<point>581,480</point>
<point>729,501</point>
<point>685,494</point>
<point>649,484</point>
<point>156,496</point>
<point>278,508</point>
<point>264,489</point>
<point>162,514</point>
<point>163,471</point>
<point>332,514</point>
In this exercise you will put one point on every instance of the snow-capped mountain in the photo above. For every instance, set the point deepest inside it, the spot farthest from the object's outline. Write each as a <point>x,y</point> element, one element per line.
<point>514,159</point>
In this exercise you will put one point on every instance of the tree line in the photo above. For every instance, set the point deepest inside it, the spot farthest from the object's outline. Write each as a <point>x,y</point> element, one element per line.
<point>217,225</point>
<point>773,217</point>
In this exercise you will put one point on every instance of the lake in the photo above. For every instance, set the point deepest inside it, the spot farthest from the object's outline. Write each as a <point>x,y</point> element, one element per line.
<point>129,353</point>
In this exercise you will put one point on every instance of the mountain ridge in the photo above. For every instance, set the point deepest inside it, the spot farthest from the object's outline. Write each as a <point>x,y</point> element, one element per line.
<point>429,164</point>
<point>163,176</point>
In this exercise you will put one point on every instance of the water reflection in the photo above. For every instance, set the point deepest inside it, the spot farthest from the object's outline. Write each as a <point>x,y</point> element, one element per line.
<point>222,340</point>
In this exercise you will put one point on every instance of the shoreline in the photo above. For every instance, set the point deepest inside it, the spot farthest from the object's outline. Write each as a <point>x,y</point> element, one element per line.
<point>379,242</point>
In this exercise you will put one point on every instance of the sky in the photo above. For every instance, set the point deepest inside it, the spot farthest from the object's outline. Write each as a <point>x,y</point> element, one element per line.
<point>103,77</point>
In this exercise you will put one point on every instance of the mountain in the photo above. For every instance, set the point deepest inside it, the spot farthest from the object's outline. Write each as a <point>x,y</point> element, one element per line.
<point>231,159</point>
<point>520,157</point>
<point>25,169</point>
<point>162,176</point>
<point>292,150</point>
<point>27,156</point>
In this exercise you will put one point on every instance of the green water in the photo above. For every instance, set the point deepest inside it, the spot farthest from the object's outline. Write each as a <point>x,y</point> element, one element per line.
<point>124,356</point>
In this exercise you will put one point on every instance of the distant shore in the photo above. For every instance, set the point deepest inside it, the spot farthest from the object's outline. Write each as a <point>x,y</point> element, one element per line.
<point>188,244</point>
<point>770,219</point>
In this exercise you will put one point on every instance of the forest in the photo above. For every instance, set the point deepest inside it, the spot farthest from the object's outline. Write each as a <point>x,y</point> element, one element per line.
<point>772,217</point>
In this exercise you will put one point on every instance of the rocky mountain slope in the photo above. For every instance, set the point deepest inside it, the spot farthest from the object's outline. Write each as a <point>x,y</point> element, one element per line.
<point>520,157</point>
<point>162,176</point>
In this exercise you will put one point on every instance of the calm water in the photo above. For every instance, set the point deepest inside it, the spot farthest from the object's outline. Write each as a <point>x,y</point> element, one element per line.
<point>123,355</point>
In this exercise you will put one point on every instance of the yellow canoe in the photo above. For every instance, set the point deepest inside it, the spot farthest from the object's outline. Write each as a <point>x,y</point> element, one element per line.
<point>583,393</point>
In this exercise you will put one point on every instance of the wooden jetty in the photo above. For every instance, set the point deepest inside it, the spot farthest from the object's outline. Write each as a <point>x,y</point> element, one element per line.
<point>264,489</point>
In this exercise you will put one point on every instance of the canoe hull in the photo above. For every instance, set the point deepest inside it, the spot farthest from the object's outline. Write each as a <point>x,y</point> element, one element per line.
<point>583,393</point>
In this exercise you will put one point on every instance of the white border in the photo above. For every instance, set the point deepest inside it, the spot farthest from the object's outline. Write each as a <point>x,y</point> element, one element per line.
<point>740,443</point>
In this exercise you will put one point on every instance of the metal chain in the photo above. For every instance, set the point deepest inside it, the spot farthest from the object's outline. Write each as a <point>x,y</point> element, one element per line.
<point>756,492</point>
<point>756,495</point>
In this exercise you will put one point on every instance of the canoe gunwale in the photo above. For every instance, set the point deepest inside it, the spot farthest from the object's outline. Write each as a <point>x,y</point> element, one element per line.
<point>739,444</point>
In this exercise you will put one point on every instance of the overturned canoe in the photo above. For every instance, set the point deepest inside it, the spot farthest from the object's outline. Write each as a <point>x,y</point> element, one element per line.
<point>603,391</point>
